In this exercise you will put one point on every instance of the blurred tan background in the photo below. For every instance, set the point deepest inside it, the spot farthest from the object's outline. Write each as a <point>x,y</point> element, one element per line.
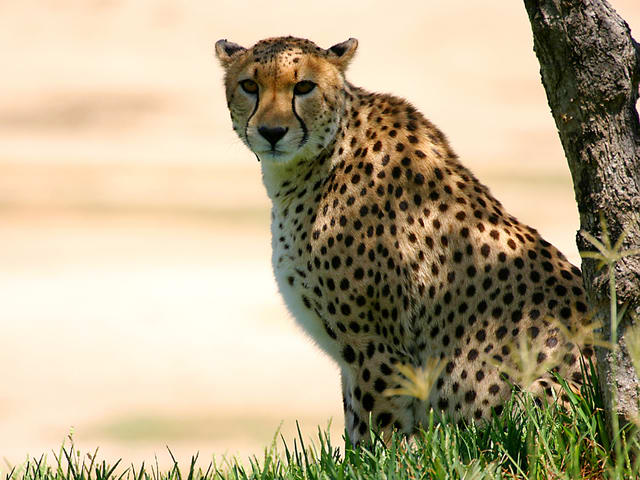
<point>137,305</point>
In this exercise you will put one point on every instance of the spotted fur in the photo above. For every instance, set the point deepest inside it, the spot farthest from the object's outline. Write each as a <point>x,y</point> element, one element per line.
<point>386,249</point>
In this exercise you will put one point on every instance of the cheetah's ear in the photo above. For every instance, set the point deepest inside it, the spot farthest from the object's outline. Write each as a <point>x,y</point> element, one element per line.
<point>342,53</point>
<point>226,51</point>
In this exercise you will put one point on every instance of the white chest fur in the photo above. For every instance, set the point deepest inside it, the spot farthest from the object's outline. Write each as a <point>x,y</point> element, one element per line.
<point>296,287</point>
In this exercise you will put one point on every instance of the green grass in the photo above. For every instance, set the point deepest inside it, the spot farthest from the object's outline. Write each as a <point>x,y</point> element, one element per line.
<point>526,441</point>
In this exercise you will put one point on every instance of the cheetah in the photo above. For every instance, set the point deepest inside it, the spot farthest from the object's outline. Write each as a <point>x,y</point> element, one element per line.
<point>389,252</point>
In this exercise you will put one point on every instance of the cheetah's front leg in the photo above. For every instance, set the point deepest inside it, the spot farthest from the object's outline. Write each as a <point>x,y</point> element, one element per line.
<point>363,399</point>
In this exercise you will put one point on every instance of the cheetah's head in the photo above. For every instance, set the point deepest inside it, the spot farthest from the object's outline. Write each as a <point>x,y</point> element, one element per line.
<point>285,95</point>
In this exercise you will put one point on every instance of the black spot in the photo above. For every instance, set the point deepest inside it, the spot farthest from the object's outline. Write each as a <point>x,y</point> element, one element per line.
<point>380,385</point>
<point>384,368</point>
<point>348,354</point>
<point>569,359</point>
<point>450,366</point>
<point>371,349</point>
<point>383,419</point>
<point>501,332</point>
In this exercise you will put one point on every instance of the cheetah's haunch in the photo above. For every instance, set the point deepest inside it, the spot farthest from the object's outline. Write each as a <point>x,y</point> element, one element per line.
<point>386,249</point>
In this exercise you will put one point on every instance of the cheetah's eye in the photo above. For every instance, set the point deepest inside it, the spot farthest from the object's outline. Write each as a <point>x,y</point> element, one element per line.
<point>303,87</point>
<point>249,86</point>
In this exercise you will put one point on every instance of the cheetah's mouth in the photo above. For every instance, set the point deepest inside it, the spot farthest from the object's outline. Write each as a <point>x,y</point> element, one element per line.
<point>275,155</point>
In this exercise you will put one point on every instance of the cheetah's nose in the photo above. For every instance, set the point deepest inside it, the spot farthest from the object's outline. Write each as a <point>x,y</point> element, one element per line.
<point>272,134</point>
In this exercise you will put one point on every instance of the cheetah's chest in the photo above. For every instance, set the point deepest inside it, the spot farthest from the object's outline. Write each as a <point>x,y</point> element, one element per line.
<point>296,287</point>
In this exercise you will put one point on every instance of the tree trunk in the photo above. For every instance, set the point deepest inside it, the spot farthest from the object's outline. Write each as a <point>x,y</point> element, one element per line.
<point>590,69</point>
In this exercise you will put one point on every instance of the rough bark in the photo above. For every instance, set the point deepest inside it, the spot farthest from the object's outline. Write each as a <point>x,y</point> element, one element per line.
<point>590,68</point>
